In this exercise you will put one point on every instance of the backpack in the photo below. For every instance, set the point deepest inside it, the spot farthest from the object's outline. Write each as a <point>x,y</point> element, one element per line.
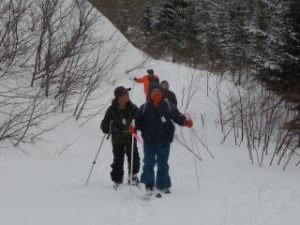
<point>153,83</point>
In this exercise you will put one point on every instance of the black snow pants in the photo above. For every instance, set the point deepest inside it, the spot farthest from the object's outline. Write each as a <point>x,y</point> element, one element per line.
<point>119,152</point>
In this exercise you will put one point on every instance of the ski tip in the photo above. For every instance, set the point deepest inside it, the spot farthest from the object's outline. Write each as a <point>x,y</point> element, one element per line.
<point>158,195</point>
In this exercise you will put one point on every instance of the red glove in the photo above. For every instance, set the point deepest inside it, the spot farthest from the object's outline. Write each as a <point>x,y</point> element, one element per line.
<point>132,130</point>
<point>188,123</point>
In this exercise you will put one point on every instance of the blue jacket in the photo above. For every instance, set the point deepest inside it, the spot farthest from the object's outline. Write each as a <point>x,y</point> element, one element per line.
<point>156,124</point>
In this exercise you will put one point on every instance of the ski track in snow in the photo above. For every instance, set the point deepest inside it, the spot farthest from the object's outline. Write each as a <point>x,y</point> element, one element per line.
<point>133,211</point>
<point>50,189</point>
<point>261,204</point>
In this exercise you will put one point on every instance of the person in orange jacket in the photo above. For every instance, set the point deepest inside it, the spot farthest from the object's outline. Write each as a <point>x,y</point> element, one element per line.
<point>149,80</point>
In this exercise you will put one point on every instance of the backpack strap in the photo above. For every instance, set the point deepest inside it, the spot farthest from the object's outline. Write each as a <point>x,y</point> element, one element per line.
<point>144,108</point>
<point>165,100</point>
<point>168,104</point>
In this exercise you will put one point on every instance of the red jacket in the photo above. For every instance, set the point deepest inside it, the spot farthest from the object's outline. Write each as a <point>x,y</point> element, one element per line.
<point>146,81</point>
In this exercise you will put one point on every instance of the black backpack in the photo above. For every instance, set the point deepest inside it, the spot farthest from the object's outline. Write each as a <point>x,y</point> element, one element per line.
<point>153,83</point>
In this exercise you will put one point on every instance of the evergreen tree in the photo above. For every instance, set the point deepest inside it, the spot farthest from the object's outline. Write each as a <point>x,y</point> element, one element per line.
<point>205,27</point>
<point>213,24</point>
<point>180,22</point>
<point>238,39</point>
<point>147,23</point>
<point>192,32</point>
<point>258,31</point>
<point>125,17</point>
<point>291,48</point>
<point>269,36</point>
<point>129,15</point>
<point>172,26</point>
<point>262,34</point>
<point>166,21</point>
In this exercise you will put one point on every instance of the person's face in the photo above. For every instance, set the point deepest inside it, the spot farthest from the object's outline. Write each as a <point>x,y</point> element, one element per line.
<point>156,96</point>
<point>151,76</point>
<point>165,86</point>
<point>124,99</point>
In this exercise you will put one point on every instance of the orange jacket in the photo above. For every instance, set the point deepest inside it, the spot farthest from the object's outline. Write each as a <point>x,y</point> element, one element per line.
<point>145,80</point>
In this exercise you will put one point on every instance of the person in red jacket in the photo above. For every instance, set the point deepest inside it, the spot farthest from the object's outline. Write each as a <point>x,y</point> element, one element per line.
<point>149,80</point>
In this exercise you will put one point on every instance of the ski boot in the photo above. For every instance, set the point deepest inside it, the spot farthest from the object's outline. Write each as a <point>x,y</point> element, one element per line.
<point>167,191</point>
<point>159,192</point>
<point>135,181</point>
<point>149,191</point>
<point>116,185</point>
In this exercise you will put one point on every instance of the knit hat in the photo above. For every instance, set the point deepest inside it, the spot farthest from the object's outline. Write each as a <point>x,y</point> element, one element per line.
<point>150,72</point>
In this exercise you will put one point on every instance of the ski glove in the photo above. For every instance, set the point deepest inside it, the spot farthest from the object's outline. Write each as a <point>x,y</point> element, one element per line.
<point>132,130</point>
<point>188,123</point>
<point>135,79</point>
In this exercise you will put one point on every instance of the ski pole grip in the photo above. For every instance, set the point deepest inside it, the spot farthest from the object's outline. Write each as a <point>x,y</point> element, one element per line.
<point>135,135</point>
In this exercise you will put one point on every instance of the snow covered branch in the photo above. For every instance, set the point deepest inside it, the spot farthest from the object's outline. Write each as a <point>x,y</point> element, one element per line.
<point>53,57</point>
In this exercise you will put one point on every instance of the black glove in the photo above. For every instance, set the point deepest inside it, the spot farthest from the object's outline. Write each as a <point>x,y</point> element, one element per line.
<point>105,131</point>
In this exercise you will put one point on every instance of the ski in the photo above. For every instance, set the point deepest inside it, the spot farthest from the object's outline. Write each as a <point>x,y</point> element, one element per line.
<point>148,195</point>
<point>116,186</point>
<point>158,195</point>
<point>137,191</point>
<point>152,194</point>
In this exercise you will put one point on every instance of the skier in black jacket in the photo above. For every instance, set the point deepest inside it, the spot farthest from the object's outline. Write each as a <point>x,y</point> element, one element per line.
<point>116,122</point>
<point>169,95</point>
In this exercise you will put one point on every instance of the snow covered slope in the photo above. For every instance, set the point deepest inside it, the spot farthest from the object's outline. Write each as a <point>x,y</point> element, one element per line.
<point>47,186</point>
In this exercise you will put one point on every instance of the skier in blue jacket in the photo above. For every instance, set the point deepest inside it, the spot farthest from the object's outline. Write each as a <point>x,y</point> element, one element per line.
<point>155,120</point>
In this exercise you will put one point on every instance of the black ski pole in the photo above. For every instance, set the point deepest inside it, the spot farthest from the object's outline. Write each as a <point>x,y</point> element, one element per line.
<point>95,160</point>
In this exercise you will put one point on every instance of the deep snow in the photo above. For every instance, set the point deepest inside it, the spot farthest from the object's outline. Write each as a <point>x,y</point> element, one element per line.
<point>47,187</point>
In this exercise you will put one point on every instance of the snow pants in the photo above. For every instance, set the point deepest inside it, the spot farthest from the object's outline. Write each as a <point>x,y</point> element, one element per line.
<point>156,154</point>
<point>119,152</point>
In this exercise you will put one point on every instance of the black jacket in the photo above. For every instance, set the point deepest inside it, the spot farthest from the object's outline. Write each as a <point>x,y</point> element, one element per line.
<point>117,121</point>
<point>170,96</point>
<point>156,124</point>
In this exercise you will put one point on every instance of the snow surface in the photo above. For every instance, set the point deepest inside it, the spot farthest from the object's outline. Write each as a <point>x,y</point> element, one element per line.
<point>47,186</point>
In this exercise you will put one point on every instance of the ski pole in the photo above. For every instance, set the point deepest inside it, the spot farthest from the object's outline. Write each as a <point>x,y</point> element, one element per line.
<point>133,86</point>
<point>189,149</point>
<point>110,130</point>
<point>196,173</point>
<point>131,156</point>
<point>194,157</point>
<point>95,160</point>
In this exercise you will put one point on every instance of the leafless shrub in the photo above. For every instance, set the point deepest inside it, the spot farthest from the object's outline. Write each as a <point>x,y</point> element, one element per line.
<point>140,65</point>
<point>196,137</point>
<point>259,118</point>
<point>52,57</point>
